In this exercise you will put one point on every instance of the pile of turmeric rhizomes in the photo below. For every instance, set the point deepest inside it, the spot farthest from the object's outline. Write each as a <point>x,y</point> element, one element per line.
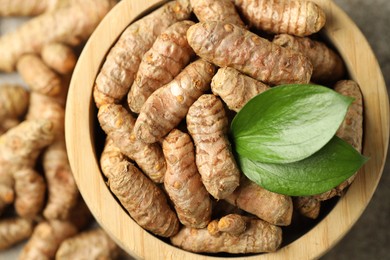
<point>39,199</point>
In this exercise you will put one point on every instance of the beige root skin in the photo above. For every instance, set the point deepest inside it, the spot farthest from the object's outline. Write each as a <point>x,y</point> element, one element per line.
<point>300,18</point>
<point>183,182</point>
<point>122,62</point>
<point>216,10</point>
<point>274,208</point>
<point>169,54</point>
<point>60,57</point>
<point>7,124</point>
<point>14,100</point>
<point>52,27</point>
<point>259,236</point>
<point>327,65</point>
<point>46,239</point>
<point>13,231</point>
<point>168,105</point>
<point>30,189</point>
<point>93,244</point>
<point>144,201</point>
<point>20,146</point>
<point>61,186</point>
<point>228,45</point>
<point>208,125</point>
<point>118,124</point>
<point>235,88</point>
<point>38,76</point>
<point>31,7</point>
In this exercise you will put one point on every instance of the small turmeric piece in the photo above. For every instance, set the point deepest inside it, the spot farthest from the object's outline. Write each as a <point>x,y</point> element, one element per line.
<point>52,27</point>
<point>216,10</point>
<point>307,206</point>
<point>235,88</point>
<point>259,236</point>
<point>118,124</point>
<point>122,62</point>
<point>183,183</point>
<point>14,100</point>
<point>168,105</point>
<point>233,224</point>
<point>144,200</point>
<point>272,207</point>
<point>300,18</point>
<point>38,76</point>
<point>30,190</point>
<point>208,125</point>
<point>13,231</point>
<point>228,45</point>
<point>46,239</point>
<point>60,57</point>
<point>327,64</point>
<point>169,54</point>
<point>92,244</point>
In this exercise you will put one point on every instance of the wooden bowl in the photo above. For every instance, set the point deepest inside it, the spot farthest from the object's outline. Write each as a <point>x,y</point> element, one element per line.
<point>83,135</point>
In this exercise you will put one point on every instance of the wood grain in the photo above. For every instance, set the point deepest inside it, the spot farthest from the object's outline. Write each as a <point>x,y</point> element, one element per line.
<point>80,135</point>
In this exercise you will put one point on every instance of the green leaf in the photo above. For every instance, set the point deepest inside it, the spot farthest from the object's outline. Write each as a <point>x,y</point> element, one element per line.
<point>324,170</point>
<point>288,123</point>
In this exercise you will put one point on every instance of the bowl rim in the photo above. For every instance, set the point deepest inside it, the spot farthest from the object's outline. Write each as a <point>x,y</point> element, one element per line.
<point>80,112</point>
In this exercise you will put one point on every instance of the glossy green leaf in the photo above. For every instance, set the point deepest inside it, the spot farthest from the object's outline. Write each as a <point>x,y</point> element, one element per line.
<point>288,123</point>
<point>324,170</point>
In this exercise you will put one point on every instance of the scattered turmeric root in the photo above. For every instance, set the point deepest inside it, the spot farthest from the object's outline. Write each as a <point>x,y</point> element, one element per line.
<point>307,206</point>
<point>327,65</point>
<point>183,182</point>
<point>169,54</point>
<point>60,57</point>
<point>168,105</point>
<point>274,208</point>
<point>216,10</point>
<point>207,123</point>
<point>13,231</point>
<point>61,186</point>
<point>122,62</point>
<point>46,238</point>
<point>52,27</point>
<point>144,201</point>
<point>259,236</point>
<point>235,88</point>
<point>294,17</point>
<point>30,189</point>
<point>93,244</point>
<point>228,45</point>
<point>118,124</point>
<point>38,76</point>
<point>21,145</point>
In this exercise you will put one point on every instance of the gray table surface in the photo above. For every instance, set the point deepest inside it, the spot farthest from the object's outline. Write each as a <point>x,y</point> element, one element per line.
<point>370,236</point>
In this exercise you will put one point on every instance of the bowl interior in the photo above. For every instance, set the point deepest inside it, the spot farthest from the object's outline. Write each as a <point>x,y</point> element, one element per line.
<point>310,239</point>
